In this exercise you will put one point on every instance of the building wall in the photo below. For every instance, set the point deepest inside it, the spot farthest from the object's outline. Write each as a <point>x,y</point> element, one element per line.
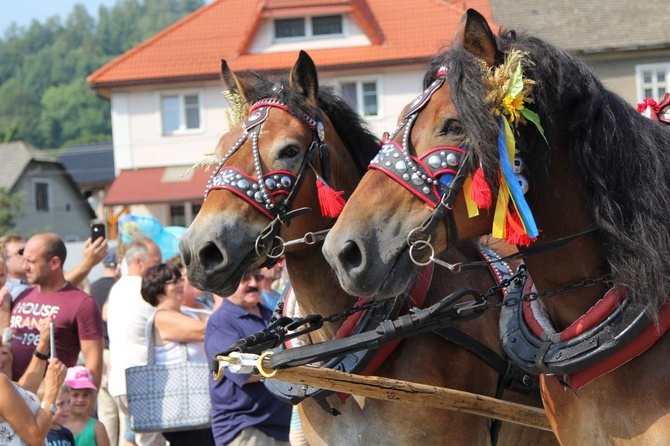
<point>617,72</point>
<point>136,120</point>
<point>68,214</point>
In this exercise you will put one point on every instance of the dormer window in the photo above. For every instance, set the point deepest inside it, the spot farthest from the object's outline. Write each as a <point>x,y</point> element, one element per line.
<point>308,27</point>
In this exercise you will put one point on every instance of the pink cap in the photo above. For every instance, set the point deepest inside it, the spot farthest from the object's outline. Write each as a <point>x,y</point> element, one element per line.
<point>78,377</point>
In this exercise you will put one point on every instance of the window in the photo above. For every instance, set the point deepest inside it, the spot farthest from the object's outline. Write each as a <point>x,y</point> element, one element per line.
<point>41,193</point>
<point>362,96</point>
<point>653,80</point>
<point>195,208</point>
<point>287,28</point>
<point>302,28</point>
<point>331,24</point>
<point>180,113</point>
<point>177,215</point>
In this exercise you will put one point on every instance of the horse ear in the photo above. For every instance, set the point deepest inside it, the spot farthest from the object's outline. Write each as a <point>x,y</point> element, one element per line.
<point>232,83</point>
<point>304,79</point>
<point>474,33</point>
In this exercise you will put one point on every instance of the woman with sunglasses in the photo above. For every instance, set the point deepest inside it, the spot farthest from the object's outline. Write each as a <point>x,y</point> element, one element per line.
<point>174,324</point>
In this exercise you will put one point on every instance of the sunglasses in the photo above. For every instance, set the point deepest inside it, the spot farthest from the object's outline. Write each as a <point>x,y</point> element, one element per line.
<point>255,275</point>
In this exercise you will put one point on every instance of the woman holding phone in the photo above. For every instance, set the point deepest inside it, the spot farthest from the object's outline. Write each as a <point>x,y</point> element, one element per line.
<point>23,418</point>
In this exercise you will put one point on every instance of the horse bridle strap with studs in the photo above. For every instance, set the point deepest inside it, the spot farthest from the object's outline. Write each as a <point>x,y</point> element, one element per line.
<point>436,177</point>
<point>260,191</point>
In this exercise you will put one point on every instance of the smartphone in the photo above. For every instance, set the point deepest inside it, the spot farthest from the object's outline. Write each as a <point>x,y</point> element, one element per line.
<point>52,340</point>
<point>97,231</point>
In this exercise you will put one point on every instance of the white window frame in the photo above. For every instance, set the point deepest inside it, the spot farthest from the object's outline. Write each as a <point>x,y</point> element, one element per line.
<point>189,215</point>
<point>309,33</point>
<point>655,86</point>
<point>49,184</point>
<point>181,94</point>
<point>359,81</point>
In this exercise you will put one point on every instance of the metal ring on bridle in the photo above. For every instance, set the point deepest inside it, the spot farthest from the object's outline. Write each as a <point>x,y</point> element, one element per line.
<point>411,240</point>
<point>421,244</point>
<point>261,248</point>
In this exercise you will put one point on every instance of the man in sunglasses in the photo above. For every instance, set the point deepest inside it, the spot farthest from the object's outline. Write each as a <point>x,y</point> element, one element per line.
<point>243,410</point>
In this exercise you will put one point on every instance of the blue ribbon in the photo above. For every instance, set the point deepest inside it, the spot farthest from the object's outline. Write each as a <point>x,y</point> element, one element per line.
<point>514,187</point>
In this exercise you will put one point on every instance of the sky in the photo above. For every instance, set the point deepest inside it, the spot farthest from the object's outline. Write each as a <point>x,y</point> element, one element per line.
<point>24,11</point>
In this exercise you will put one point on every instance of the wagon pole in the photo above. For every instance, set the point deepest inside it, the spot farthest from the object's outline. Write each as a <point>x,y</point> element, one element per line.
<point>408,392</point>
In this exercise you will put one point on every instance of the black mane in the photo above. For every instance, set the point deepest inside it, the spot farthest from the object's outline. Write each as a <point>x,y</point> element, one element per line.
<point>622,157</point>
<point>349,125</point>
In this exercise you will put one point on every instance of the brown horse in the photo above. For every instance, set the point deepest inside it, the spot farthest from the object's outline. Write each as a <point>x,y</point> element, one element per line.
<point>591,162</point>
<point>223,243</point>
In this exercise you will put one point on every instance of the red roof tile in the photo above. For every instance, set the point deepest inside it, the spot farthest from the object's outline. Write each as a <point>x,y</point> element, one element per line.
<point>157,185</point>
<point>402,31</point>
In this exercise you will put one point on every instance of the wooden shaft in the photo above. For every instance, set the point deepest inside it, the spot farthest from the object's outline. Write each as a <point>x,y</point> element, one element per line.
<point>408,392</point>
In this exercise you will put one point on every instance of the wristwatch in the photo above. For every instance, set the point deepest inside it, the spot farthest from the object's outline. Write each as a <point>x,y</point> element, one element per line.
<point>52,408</point>
<point>41,356</point>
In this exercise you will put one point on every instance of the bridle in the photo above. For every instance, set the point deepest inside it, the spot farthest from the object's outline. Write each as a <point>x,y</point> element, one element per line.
<point>262,190</point>
<point>436,177</point>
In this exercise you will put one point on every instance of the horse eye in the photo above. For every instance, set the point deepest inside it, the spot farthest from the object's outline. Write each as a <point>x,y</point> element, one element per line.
<point>289,152</point>
<point>452,128</point>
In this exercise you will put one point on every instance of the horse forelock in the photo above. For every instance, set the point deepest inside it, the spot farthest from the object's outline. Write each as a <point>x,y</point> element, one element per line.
<point>622,158</point>
<point>349,125</point>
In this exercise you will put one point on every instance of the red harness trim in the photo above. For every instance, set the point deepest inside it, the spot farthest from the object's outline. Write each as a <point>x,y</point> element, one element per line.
<point>597,313</point>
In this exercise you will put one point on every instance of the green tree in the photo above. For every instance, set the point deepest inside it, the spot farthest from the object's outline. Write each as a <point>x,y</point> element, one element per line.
<point>44,100</point>
<point>72,113</point>
<point>10,208</point>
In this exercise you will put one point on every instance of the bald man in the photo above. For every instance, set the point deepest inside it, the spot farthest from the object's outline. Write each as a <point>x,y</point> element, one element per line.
<point>78,322</point>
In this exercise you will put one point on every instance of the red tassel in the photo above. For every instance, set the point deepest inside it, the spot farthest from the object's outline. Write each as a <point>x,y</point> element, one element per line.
<point>514,232</point>
<point>330,200</point>
<point>481,191</point>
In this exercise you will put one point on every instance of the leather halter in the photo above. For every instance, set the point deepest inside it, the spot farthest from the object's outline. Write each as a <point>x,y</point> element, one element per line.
<point>436,177</point>
<point>262,190</point>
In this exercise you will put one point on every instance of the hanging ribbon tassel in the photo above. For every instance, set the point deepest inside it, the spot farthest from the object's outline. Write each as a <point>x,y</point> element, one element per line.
<point>515,232</point>
<point>481,191</point>
<point>506,147</point>
<point>330,200</point>
<point>470,205</point>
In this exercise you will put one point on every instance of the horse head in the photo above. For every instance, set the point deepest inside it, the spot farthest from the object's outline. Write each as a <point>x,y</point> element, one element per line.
<point>369,246</point>
<point>265,183</point>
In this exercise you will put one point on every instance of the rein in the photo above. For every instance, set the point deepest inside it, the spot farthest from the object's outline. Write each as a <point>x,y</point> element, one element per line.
<point>262,190</point>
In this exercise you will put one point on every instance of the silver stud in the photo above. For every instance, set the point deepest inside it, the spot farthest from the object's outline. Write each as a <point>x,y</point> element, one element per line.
<point>250,193</point>
<point>405,177</point>
<point>387,163</point>
<point>286,181</point>
<point>453,159</point>
<point>416,179</point>
<point>400,166</point>
<point>518,165</point>
<point>243,184</point>
<point>258,196</point>
<point>270,183</point>
<point>396,155</point>
<point>523,182</point>
<point>434,161</point>
<point>426,190</point>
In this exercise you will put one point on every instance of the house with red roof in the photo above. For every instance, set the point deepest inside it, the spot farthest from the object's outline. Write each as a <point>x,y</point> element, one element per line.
<point>168,110</point>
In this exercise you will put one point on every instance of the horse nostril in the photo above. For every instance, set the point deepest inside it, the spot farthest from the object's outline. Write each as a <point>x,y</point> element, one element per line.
<point>210,256</point>
<point>186,257</point>
<point>350,255</point>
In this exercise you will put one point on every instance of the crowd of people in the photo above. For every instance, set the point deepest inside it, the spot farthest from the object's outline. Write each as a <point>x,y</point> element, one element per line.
<point>66,345</point>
